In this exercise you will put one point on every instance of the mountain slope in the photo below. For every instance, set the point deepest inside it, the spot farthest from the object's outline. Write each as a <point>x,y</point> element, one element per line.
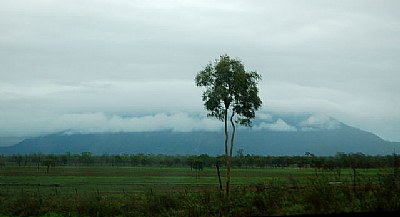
<point>165,142</point>
<point>276,136</point>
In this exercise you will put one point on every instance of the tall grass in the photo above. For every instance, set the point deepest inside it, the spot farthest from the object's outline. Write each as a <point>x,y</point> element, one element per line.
<point>316,196</point>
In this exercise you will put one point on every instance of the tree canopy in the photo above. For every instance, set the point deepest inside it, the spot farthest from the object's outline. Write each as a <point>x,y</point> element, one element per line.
<point>229,86</point>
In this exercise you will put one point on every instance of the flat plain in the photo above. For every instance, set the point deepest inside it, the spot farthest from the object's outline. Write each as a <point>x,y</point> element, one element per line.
<point>121,180</point>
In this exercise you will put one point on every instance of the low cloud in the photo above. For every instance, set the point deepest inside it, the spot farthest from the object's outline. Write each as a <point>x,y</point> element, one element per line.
<point>318,122</point>
<point>264,116</point>
<point>100,122</point>
<point>278,125</point>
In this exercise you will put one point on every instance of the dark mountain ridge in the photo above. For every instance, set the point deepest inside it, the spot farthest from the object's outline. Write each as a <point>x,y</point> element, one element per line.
<point>276,136</point>
<point>261,142</point>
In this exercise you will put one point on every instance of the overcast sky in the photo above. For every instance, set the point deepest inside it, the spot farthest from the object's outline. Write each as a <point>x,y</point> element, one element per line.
<point>113,65</point>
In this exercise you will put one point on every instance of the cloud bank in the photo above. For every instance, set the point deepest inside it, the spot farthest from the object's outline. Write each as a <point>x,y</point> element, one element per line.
<point>100,122</point>
<point>136,59</point>
<point>278,125</point>
<point>318,122</point>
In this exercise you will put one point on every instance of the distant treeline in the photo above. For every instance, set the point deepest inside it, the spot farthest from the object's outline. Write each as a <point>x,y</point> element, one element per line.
<point>309,160</point>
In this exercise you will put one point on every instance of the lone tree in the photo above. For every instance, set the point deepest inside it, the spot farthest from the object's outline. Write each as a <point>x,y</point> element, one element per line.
<point>230,92</point>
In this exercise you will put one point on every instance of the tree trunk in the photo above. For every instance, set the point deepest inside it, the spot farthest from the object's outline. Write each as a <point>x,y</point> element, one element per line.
<point>233,133</point>
<point>228,172</point>
<point>226,133</point>
<point>219,177</point>
<point>229,158</point>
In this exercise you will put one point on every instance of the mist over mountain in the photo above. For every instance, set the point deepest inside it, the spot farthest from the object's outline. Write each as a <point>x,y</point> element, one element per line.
<point>271,134</point>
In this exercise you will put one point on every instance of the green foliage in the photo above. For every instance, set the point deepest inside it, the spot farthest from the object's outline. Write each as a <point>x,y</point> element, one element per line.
<point>228,85</point>
<point>322,197</point>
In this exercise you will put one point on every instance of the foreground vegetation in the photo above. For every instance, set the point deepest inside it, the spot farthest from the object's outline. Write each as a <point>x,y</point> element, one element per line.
<point>187,190</point>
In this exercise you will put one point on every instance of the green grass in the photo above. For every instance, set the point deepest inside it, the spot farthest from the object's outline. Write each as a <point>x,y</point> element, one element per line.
<point>165,191</point>
<point>113,180</point>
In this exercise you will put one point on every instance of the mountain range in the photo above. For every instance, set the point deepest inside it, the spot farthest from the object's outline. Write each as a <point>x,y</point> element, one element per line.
<point>270,135</point>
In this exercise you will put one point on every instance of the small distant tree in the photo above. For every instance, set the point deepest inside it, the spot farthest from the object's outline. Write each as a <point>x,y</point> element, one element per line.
<point>240,157</point>
<point>86,158</point>
<point>2,161</point>
<point>50,161</point>
<point>18,159</point>
<point>232,93</point>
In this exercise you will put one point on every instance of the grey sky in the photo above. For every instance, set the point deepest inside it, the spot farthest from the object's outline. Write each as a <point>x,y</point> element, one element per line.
<point>80,64</point>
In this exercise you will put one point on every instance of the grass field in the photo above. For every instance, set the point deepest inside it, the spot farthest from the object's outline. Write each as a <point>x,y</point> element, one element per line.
<point>179,191</point>
<point>113,180</point>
